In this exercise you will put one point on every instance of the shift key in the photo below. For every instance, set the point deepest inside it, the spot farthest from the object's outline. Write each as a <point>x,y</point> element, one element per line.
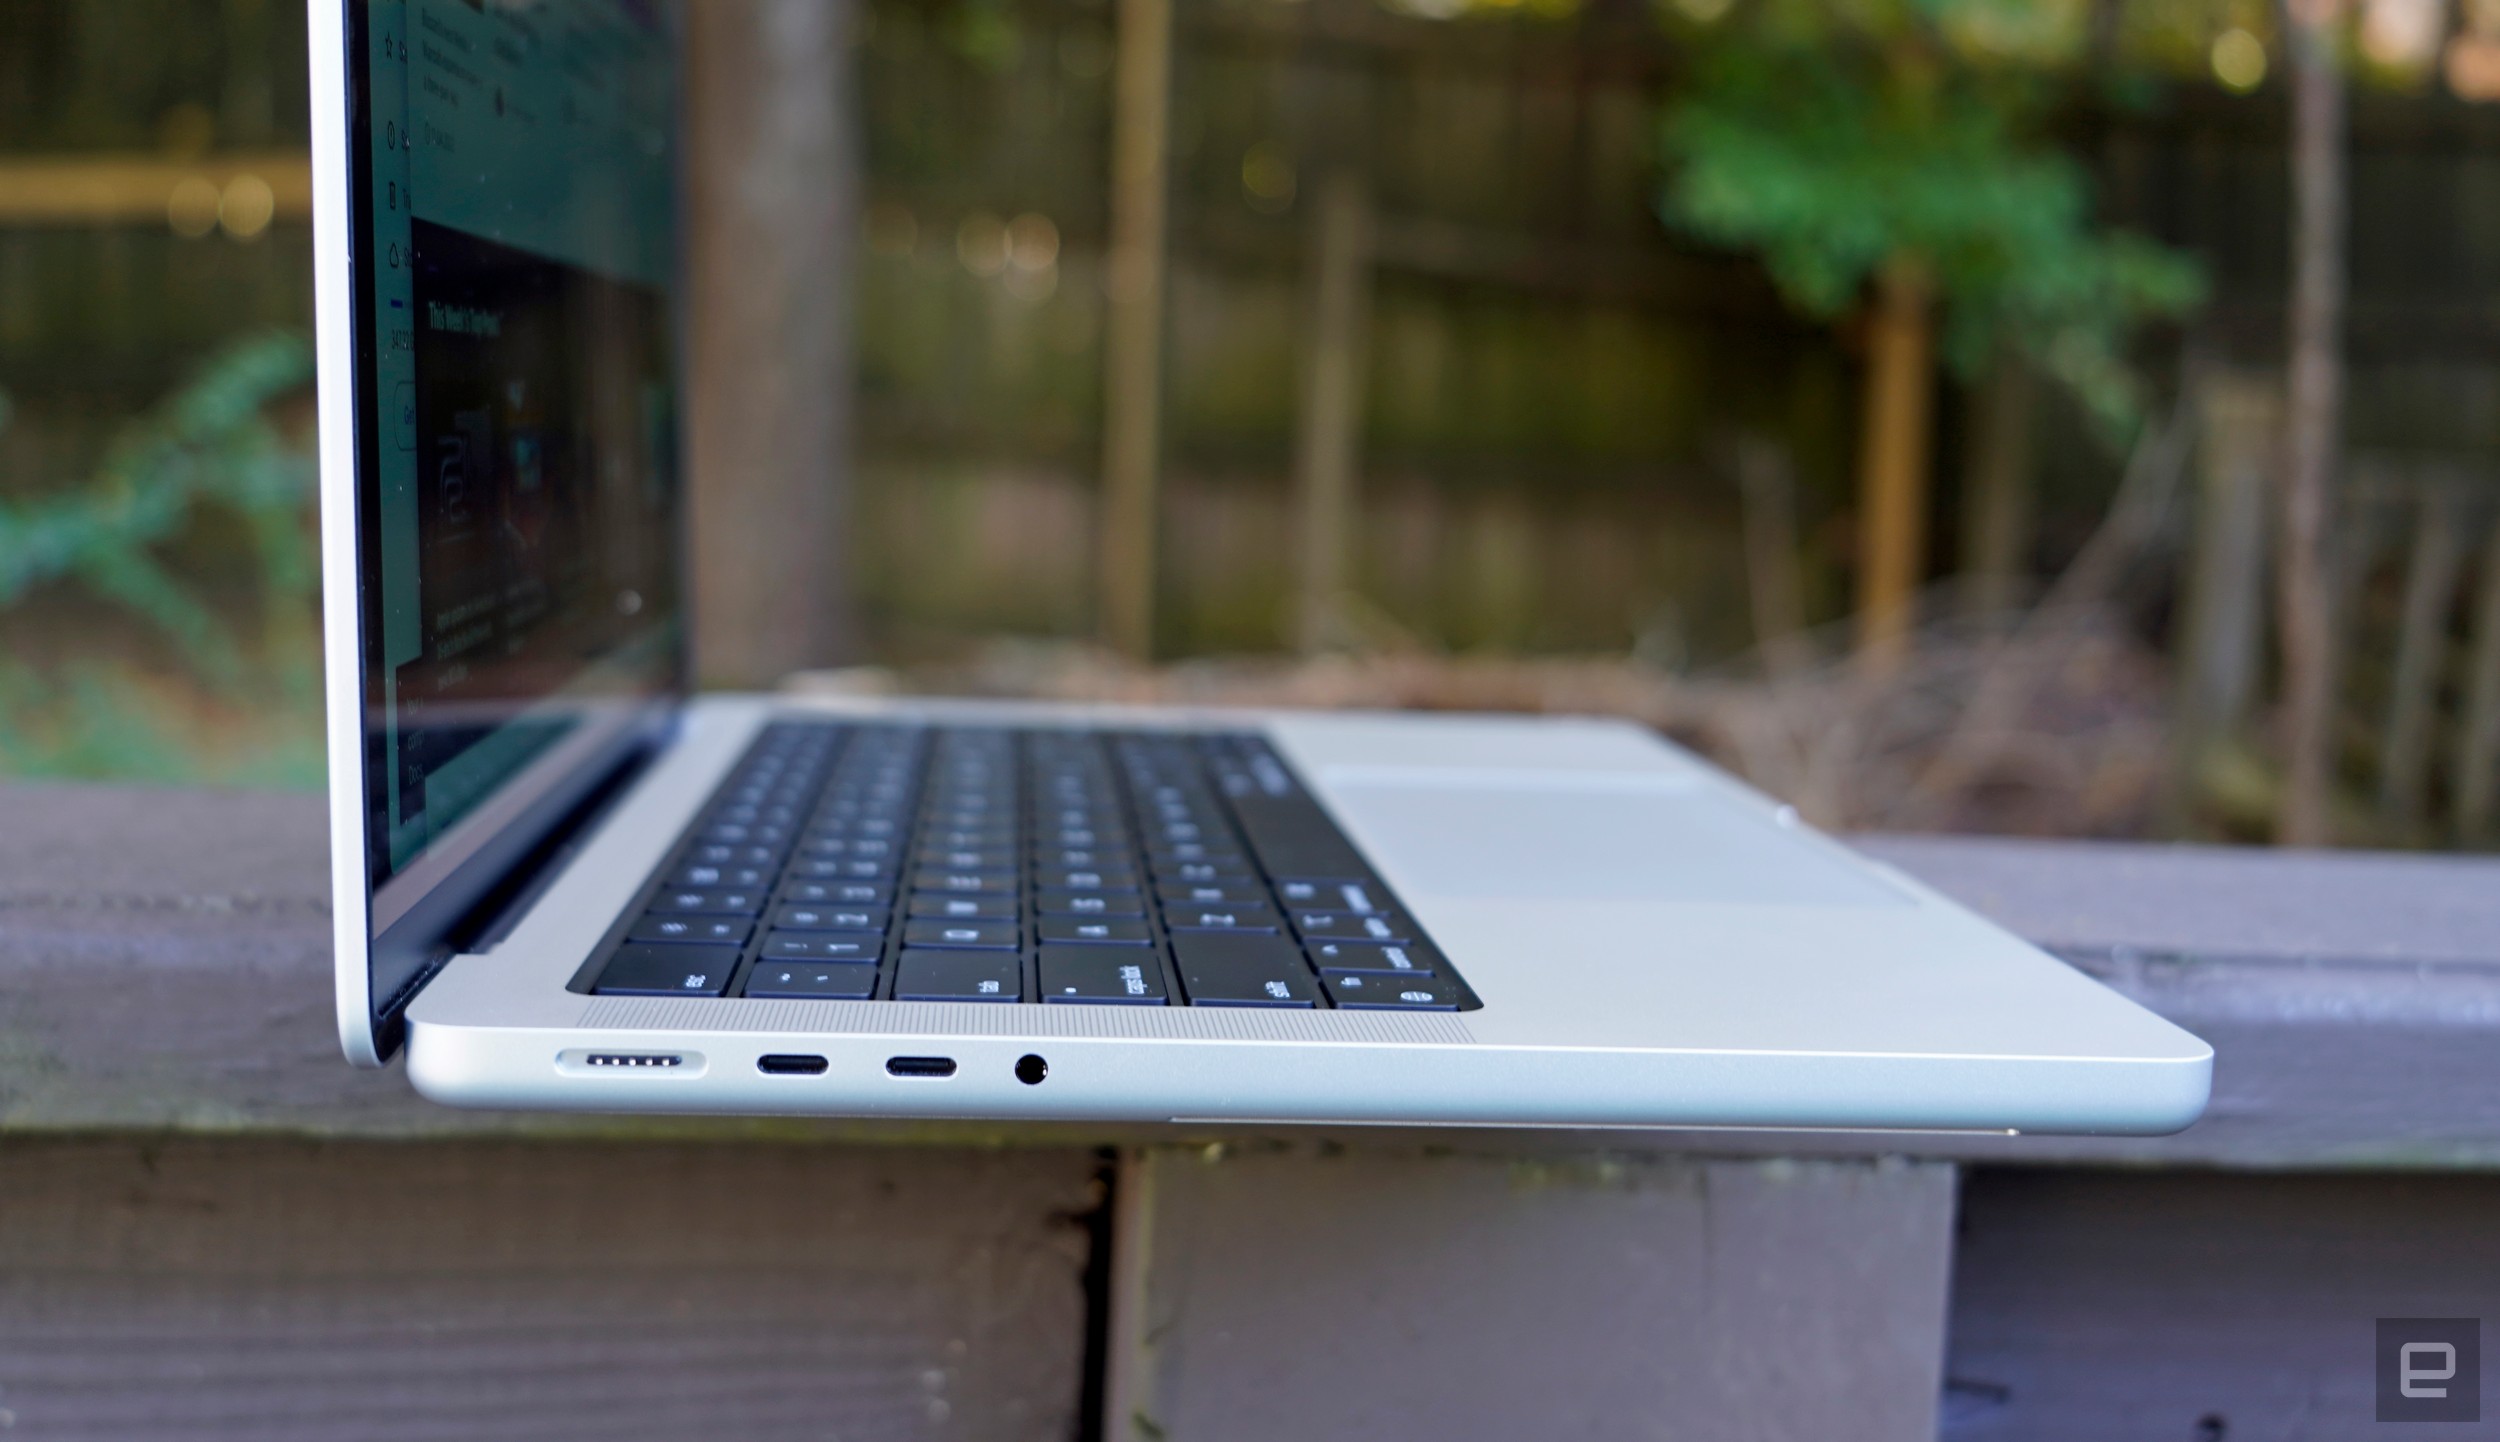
<point>1237,969</point>
<point>640,969</point>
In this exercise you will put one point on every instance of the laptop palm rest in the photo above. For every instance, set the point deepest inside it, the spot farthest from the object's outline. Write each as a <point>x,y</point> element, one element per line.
<point>1567,837</point>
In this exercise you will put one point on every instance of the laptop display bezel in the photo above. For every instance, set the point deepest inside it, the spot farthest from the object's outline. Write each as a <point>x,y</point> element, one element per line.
<point>389,945</point>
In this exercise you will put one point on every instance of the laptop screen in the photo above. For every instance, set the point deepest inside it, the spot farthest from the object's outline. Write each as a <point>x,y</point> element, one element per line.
<point>515,200</point>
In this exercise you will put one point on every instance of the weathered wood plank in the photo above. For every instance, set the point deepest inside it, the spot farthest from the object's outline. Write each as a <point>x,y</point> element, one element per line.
<point>274,1290</point>
<point>2397,909</point>
<point>1316,1292</point>
<point>2097,1305</point>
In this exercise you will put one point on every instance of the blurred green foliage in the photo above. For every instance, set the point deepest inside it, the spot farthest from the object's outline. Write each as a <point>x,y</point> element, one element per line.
<point>1836,137</point>
<point>241,699</point>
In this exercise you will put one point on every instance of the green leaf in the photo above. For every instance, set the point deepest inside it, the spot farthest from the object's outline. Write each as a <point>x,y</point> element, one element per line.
<point>1831,140</point>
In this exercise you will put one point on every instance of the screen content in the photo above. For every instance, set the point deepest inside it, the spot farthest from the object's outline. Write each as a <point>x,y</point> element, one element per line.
<point>520,490</point>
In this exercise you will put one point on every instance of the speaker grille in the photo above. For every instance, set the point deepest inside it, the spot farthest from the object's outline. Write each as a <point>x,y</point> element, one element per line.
<point>1142,1023</point>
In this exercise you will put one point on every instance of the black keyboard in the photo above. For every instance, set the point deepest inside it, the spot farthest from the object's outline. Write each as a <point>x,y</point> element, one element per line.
<point>928,863</point>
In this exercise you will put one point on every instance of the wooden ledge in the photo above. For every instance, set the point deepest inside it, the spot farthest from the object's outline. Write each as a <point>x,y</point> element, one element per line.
<point>165,964</point>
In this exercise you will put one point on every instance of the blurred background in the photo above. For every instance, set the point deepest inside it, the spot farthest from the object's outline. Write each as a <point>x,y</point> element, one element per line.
<point>2061,417</point>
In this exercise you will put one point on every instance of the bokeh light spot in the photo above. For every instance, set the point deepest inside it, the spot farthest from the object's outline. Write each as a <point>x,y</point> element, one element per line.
<point>2239,61</point>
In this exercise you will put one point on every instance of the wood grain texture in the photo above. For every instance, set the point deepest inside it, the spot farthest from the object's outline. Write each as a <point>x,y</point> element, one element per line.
<point>1317,1293</point>
<point>2406,908</point>
<point>274,1290</point>
<point>2089,1306</point>
<point>164,963</point>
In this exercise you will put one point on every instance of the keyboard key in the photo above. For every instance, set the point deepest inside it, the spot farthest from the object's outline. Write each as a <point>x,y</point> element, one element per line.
<point>985,858</point>
<point>821,868</point>
<point>848,948</point>
<point>1294,838</point>
<point>1328,893</point>
<point>837,893</point>
<point>1086,878</point>
<point>1200,873</point>
<point>1402,958</point>
<point>644,969</point>
<point>1083,836</point>
<point>1239,893</point>
<point>701,876</point>
<point>1368,991</point>
<point>1101,975</point>
<point>964,883</point>
<point>846,868</point>
<point>829,918</point>
<point>963,908</point>
<point>857,848</point>
<point>1232,969</point>
<point>963,935</point>
<point>711,903</point>
<point>707,930</point>
<point>1196,851</point>
<point>1352,926</point>
<point>798,980</point>
<point>958,976</point>
<point>1052,902</point>
<point>1069,930</point>
<point>970,837</point>
<point>1249,916</point>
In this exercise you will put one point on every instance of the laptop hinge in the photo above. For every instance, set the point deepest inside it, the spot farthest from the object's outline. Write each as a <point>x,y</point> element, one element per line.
<point>528,878</point>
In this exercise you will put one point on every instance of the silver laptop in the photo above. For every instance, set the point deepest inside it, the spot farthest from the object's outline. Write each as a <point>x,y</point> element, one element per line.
<point>563,881</point>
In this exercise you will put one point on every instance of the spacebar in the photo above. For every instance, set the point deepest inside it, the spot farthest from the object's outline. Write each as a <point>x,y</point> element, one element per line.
<point>1291,836</point>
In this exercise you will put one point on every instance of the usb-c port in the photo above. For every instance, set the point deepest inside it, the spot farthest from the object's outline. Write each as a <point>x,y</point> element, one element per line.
<point>920,1065</point>
<point>790,1064</point>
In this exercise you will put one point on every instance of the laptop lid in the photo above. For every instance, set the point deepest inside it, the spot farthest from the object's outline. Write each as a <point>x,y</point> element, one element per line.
<point>495,223</point>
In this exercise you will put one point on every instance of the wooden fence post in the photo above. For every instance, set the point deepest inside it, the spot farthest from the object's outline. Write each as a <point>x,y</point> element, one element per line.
<point>2478,732</point>
<point>2224,627</point>
<point>1133,343</point>
<point>2313,441</point>
<point>1996,490</point>
<point>1767,482</point>
<point>771,210</point>
<point>1894,449</point>
<point>1328,440</point>
<point>2431,567</point>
